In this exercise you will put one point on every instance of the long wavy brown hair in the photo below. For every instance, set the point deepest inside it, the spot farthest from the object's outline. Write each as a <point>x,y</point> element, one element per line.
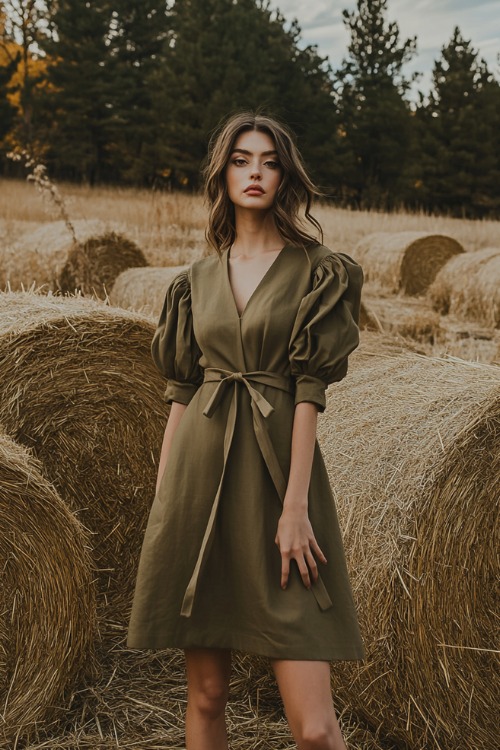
<point>296,189</point>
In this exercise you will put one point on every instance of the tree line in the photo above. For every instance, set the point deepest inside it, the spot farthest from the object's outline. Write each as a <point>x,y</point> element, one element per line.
<point>127,92</point>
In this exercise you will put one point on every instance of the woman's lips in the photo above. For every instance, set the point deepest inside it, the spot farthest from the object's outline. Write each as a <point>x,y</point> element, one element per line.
<point>254,190</point>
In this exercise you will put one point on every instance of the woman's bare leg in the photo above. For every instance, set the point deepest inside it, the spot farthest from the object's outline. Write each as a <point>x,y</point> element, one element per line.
<point>307,698</point>
<point>208,672</point>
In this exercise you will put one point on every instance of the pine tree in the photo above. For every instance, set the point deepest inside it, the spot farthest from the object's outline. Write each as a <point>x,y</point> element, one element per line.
<point>136,89</point>
<point>81,107</point>
<point>486,195</point>
<point>228,55</point>
<point>459,133</point>
<point>376,125</point>
<point>107,53</point>
<point>138,33</point>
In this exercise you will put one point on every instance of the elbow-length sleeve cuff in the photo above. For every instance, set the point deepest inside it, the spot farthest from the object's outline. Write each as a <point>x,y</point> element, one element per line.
<point>309,388</point>
<point>180,392</point>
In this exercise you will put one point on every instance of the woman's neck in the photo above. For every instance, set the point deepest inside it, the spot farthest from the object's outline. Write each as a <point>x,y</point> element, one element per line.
<point>256,232</point>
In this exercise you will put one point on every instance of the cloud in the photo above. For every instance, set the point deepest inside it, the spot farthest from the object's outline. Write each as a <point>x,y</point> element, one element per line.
<point>430,21</point>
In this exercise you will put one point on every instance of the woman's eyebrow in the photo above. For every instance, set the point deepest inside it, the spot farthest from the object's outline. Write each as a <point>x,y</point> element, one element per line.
<point>249,153</point>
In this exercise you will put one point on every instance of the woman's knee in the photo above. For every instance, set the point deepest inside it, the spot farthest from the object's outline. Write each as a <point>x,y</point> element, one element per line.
<point>209,697</point>
<point>208,674</point>
<point>317,736</point>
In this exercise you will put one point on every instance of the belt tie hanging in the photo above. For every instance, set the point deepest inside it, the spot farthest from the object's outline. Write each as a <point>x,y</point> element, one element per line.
<point>261,409</point>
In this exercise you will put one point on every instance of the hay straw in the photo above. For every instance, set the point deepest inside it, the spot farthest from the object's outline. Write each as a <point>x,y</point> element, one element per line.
<point>409,317</point>
<point>47,608</point>
<point>143,289</point>
<point>469,286</point>
<point>76,382</point>
<point>140,702</point>
<point>466,340</point>
<point>368,319</point>
<point>404,262</point>
<point>93,266</point>
<point>78,385</point>
<point>39,256</point>
<point>416,477</point>
<point>48,259</point>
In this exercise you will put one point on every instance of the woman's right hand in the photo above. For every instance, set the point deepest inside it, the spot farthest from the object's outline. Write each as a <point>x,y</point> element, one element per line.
<point>296,541</point>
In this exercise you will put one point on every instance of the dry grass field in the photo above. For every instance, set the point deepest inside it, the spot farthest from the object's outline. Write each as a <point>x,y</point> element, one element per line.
<point>163,223</point>
<point>169,229</point>
<point>443,413</point>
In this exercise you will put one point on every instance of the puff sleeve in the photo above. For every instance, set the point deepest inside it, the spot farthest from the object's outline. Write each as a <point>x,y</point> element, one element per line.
<point>174,348</point>
<point>326,329</point>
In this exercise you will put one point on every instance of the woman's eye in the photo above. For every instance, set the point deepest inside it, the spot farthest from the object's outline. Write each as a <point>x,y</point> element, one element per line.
<point>272,164</point>
<point>239,162</point>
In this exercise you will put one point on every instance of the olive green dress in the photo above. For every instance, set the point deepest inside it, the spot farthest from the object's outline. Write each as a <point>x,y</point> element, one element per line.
<point>209,571</point>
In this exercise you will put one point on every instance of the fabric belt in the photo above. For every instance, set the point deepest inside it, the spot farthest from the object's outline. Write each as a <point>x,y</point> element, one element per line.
<point>261,408</point>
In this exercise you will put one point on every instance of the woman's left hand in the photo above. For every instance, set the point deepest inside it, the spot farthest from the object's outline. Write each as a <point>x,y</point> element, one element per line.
<point>296,541</point>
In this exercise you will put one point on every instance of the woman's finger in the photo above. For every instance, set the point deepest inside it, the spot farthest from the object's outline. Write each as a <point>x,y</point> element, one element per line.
<point>317,550</point>
<point>311,564</point>
<point>285,570</point>
<point>304,571</point>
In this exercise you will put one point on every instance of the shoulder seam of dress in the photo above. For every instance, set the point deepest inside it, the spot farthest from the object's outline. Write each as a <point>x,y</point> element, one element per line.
<point>183,276</point>
<point>335,255</point>
<point>330,256</point>
<point>321,252</point>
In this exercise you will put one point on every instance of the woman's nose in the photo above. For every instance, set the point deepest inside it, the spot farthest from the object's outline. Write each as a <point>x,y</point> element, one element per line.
<point>256,173</point>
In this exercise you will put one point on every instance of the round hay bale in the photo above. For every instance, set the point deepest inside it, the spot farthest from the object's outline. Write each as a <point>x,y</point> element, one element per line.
<point>143,289</point>
<point>78,386</point>
<point>39,256</point>
<point>93,266</point>
<point>416,477</point>
<point>47,603</point>
<point>469,286</point>
<point>404,262</point>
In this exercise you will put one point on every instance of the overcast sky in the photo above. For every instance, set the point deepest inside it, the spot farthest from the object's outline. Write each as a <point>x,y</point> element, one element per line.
<point>432,21</point>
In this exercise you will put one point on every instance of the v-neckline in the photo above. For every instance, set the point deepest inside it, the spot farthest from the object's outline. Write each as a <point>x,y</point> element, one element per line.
<point>257,288</point>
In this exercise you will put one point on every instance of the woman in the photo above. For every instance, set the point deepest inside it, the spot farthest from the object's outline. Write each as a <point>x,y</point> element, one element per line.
<point>242,548</point>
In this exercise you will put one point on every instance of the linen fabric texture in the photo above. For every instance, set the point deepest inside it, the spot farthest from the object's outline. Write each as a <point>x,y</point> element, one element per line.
<point>209,569</point>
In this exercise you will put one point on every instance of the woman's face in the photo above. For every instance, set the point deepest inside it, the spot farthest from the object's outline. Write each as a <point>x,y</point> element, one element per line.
<point>253,173</point>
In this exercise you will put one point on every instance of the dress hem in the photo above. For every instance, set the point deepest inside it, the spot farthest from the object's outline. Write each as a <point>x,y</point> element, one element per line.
<point>242,645</point>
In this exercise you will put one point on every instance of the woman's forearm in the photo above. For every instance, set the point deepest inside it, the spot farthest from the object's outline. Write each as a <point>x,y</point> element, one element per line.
<point>176,412</point>
<point>295,536</point>
<point>302,453</point>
